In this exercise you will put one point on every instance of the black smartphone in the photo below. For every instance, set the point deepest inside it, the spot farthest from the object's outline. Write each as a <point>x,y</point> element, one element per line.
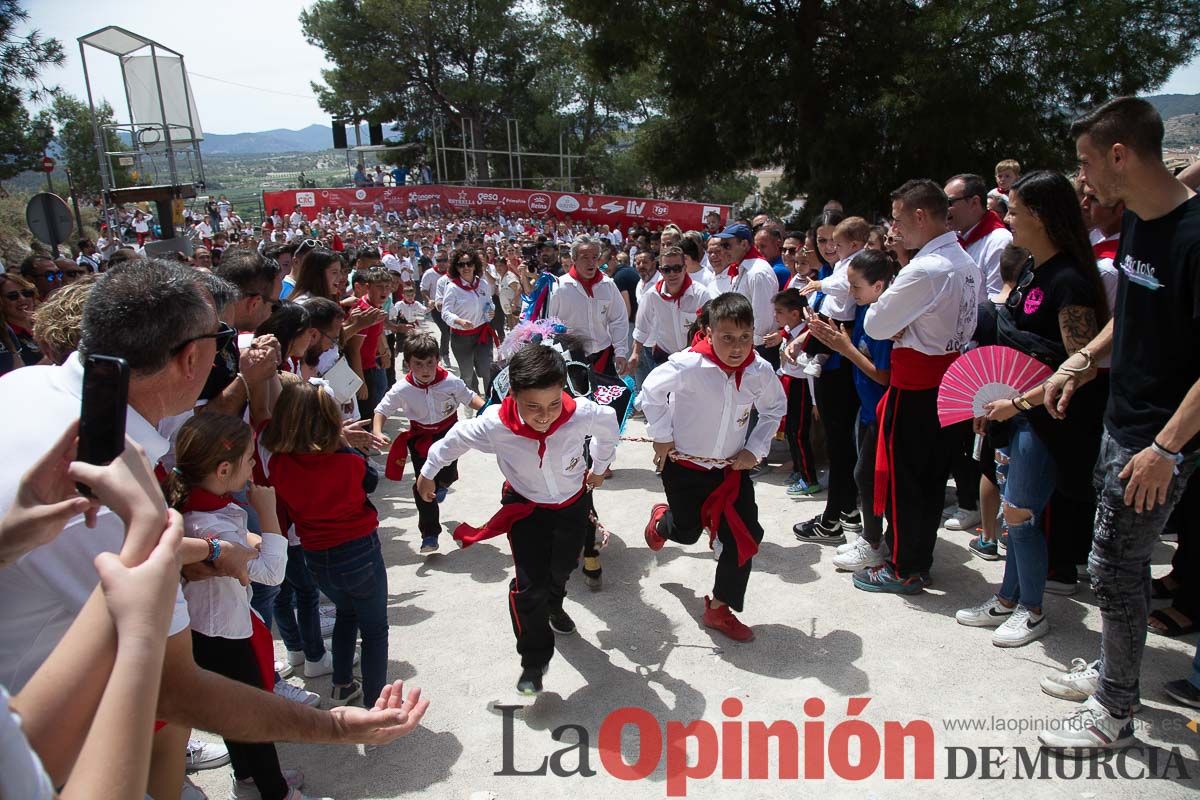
<point>102,411</point>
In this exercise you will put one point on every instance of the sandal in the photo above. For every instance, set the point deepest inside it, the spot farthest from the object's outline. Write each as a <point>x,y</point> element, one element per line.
<point>1171,627</point>
<point>1159,590</point>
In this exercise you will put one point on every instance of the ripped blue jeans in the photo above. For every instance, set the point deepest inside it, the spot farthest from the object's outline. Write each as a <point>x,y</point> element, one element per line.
<point>1027,483</point>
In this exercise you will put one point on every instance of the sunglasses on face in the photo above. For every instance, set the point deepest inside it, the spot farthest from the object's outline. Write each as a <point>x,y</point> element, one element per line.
<point>667,270</point>
<point>17,295</point>
<point>223,335</point>
<point>51,277</point>
<point>790,249</point>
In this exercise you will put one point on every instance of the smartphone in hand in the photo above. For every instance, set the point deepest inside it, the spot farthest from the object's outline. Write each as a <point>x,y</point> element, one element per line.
<point>102,411</point>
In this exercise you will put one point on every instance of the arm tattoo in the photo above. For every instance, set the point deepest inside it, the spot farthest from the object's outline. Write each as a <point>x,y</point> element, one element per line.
<point>1078,327</point>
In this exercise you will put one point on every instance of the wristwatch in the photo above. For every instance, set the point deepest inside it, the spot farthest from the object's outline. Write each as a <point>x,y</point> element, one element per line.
<point>1021,403</point>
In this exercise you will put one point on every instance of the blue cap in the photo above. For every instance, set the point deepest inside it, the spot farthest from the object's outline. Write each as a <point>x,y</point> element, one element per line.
<point>736,231</point>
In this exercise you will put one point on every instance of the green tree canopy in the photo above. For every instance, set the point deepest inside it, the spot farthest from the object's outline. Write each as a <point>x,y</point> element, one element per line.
<point>853,98</point>
<point>76,139</point>
<point>22,59</point>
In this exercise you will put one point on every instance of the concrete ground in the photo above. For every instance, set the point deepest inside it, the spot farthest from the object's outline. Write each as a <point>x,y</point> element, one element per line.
<point>640,644</point>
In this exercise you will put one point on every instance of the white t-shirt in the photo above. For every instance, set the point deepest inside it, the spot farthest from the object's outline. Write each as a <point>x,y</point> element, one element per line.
<point>42,592</point>
<point>22,774</point>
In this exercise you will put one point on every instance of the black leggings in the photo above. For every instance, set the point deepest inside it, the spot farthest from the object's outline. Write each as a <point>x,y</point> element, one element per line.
<point>235,659</point>
<point>838,403</point>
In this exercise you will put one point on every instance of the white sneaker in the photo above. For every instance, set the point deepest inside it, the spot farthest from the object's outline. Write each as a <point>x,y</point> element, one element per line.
<point>861,556</point>
<point>191,791</point>
<point>964,520</point>
<point>846,547</point>
<point>1089,728</point>
<point>1078,683</point>
<point>205,755</point>
<point>297,695</point>
<point>991,614</point>
<point>295,657</point>
<point>1021,628</point>
<point>316,669</point>
<point>283,669</point>
<point>246,789</point>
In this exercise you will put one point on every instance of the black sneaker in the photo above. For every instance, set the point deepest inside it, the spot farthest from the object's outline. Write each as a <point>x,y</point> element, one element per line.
<point>530,682</point>
<point>816,530</point>
<point>561,623</point>
<point>1182,691</point>
<point>852,522</point>
<point>345,695</point>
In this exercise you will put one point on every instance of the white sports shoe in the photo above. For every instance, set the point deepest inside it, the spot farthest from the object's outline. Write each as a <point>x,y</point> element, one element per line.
<point>1089,728</point>
<point>847,546</point>
<point>283,669</point>
<point>861,556</point>
<point>205,755</point>
<point>248,790</point>
<point>315,669</point>
<point>1078,683</point>
<point>190,791</point>
<point>1021,628</point>
<point>963,520</point>
<point>295,657</point>
<point>991,614</point>
<point>297,695</point>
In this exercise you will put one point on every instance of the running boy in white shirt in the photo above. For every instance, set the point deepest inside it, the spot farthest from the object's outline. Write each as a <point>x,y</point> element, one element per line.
<point>429,397</point>
<point>706,458</point>
<point>537,434</point>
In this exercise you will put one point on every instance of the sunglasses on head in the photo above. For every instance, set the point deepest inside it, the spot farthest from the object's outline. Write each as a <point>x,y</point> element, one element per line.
<point>17,295</point>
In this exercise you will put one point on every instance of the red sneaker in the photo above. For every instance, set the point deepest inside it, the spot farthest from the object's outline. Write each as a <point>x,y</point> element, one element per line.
<point>723,620</point>
<point>654,540</point>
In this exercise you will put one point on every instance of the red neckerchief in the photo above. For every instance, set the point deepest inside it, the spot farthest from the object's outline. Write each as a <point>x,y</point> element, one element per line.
<point>704,347</point>
<point>200,499</point>
<point>661,287</point>
<point>990,222</point>
<point>587,285</point>
<point>751,254</point>
<point>1106,248</point>
<point>438,376</point>
<point>512,420</point>
<point>466,287</point>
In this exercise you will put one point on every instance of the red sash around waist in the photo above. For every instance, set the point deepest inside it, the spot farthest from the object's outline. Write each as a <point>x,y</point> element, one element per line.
<point>720,505</point>
<point>914,370</point>
<point>422,438</point>
<point>508,515</point>
<point>484,334</point>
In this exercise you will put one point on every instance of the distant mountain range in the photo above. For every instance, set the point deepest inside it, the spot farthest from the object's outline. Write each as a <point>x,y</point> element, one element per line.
<point>1175,105</point>
<point>306,140</point>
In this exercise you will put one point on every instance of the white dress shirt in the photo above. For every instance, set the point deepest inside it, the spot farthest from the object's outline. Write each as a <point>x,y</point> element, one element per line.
<point>600,320</point>
<point>409,312</point>
<point>559,475</point>
<point>465,309</point>
<point>664,323</point>
<point>933,303</point>
<point>703,276</point>
<point>221,606</point>
<point>429,283</point>
<point>839,303</point>
<point>986,254</point>
<point>425,405</point>
<point>42,592</point>
<point>713,412</point>
<point>755,280</point>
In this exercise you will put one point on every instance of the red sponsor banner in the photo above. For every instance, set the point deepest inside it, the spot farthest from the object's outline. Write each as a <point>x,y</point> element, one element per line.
<point>595,208</point>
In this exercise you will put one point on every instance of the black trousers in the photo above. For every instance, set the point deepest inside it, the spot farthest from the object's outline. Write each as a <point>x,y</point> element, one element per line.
<point>797,430</point>
<point>1185,564</point>
<point>838,403</point>
<point>687,489</point>
<point>443,334</point>
<point>429,521</point>
<point>919,452</point>
<point>965,470</point>
<point>235,659</point>
<point>545,550</point>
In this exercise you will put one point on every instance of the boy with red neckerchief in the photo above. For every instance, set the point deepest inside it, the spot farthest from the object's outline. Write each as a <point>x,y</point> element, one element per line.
<point>429,397</point>
<point>705,461</point>
<point>537,435</point>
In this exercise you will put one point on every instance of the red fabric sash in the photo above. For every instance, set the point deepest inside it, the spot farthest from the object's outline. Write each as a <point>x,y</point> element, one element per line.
<point>484,334</point>
<point>264,651</point>
<point>508,515</point>
<point>466,287</point>
<point>751,254</point>
<point>587,285</point>
<point>912,370</point>
<point>704,347</point>
<point>661,288</point>
<point>422,438</point>
<point>990,222</point>
<point>719,505</point>
<point>511,419</point>
<point>200,499</point>
<point>1106,249</point>
<point>602,359</point>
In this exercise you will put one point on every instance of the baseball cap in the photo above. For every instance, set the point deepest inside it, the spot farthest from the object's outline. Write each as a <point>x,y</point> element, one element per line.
<point>735,231</point>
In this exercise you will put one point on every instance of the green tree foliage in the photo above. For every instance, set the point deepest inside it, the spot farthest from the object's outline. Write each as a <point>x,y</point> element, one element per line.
<point>77,142</point>
<point>475,66</point>
<point>853,98</point>
<point>22,59</point>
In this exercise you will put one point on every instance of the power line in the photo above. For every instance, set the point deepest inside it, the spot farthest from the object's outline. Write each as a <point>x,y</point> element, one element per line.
<point>247,86</point>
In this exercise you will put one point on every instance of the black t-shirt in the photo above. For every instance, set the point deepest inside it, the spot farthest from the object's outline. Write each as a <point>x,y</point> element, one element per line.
<point>225,368</point>
<point>1057,284</point>
<point>1156,333</point>
<point>627,280</point>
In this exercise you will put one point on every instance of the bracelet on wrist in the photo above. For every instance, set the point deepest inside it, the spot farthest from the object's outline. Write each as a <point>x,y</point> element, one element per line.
<point>1175,456</point>
<point>1022,404</point>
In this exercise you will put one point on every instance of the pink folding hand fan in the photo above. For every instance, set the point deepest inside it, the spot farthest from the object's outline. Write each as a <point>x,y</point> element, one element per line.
<point>983,375</point>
